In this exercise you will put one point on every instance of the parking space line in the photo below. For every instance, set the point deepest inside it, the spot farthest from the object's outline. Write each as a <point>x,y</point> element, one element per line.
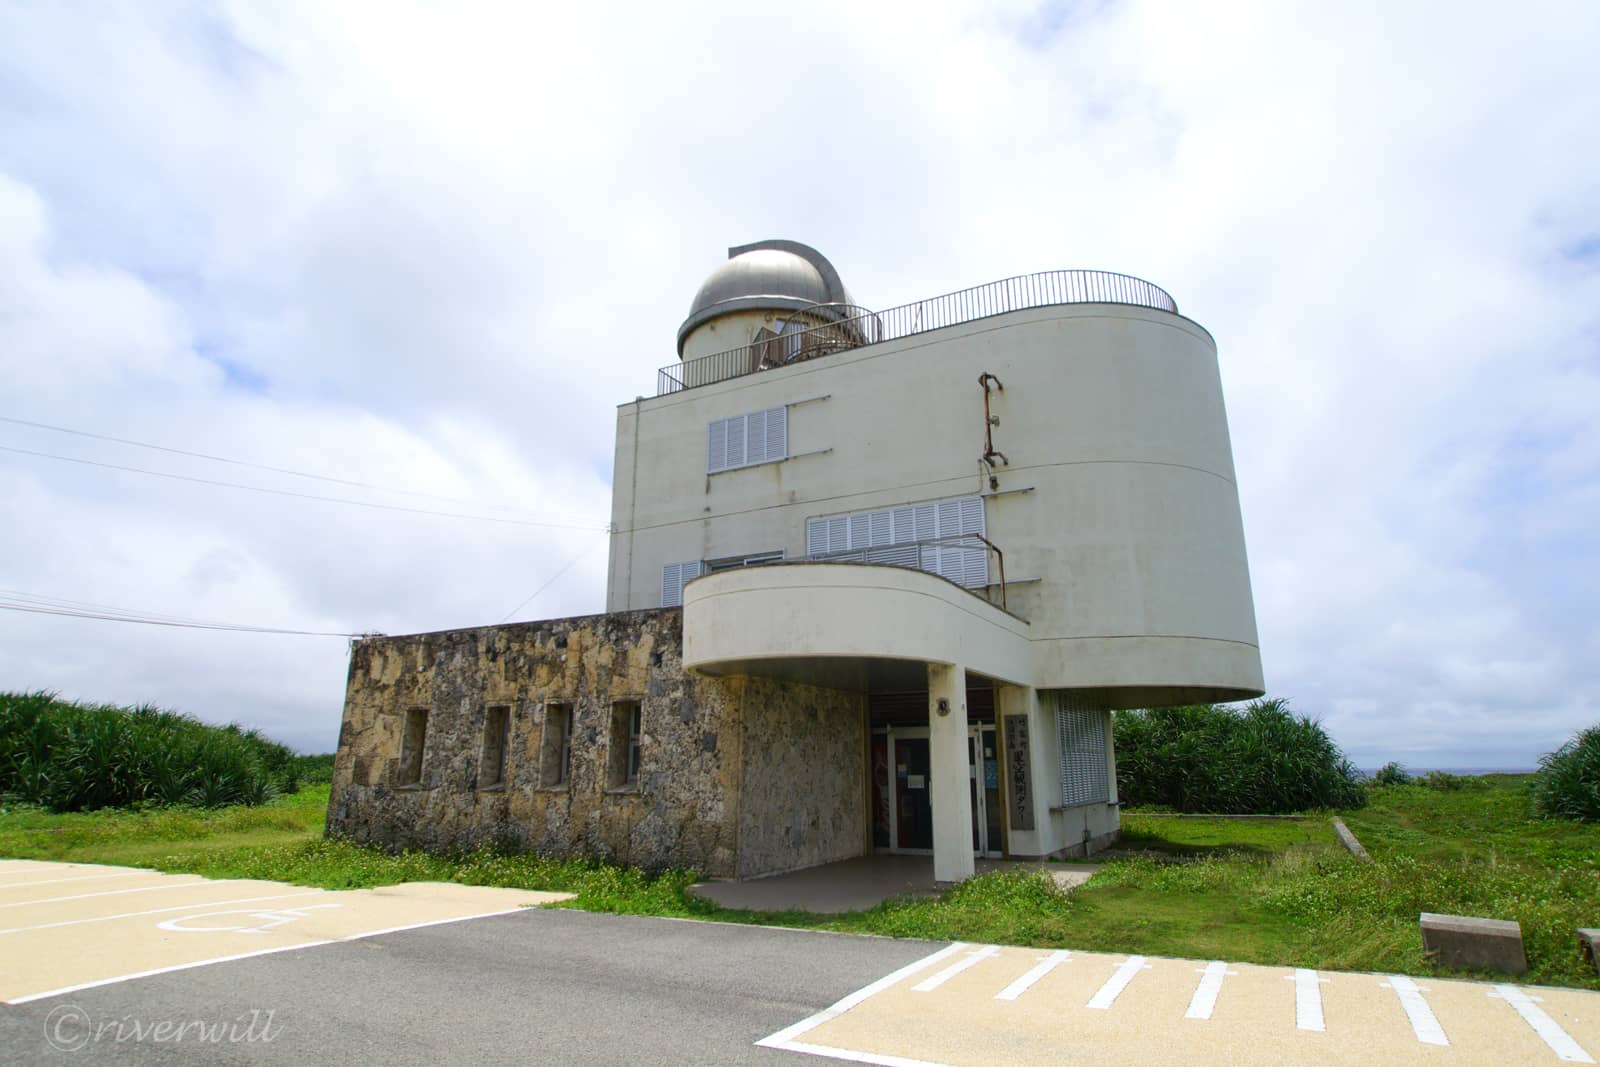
<point>259,952</point>
<point>1549,1031</point>
<point>973,958</point>
<point>109,893</point>
<point>155,911</point>
<point>853,1056</point>
<point>1045,965</point>
<point>1307,999</point>
<point>1204,1001</point>
<point>784,1038</point>
<point>1423,1022</point>
<point>1117,983</point>
<point>75,878</point>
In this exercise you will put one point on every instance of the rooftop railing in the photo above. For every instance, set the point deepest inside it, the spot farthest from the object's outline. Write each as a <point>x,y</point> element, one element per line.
<point>843,331</point>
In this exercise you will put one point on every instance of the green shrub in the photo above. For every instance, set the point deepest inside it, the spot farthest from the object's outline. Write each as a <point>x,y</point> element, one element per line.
<point>1567,785</point>
<point>81,757</point>
<point>1391,774</point>
<point>1205,758</point>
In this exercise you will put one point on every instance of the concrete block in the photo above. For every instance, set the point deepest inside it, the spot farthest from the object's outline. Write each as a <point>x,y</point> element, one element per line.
<point>1589,946</point>
<point>1348,840</point>
<point>1462,941</point>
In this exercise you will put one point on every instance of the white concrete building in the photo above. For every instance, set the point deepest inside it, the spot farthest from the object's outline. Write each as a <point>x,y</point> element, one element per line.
<point>995,515</point>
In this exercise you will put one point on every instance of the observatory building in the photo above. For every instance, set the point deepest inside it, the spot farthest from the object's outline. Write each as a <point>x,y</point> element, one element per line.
<point>877,580</point>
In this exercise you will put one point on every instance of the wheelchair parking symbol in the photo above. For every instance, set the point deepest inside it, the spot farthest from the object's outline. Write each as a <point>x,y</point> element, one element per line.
<point>239,920</point>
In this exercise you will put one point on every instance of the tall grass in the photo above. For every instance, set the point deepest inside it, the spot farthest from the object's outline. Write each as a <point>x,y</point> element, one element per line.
<point>79,757</point>
<point>1568,783</point>
<point>1217,760</point>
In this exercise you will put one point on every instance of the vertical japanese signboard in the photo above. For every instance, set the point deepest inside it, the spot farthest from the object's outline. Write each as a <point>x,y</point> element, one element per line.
<point>1019,775</point>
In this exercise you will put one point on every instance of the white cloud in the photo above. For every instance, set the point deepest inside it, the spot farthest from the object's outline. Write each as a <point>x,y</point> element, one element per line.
<point>433,248</point>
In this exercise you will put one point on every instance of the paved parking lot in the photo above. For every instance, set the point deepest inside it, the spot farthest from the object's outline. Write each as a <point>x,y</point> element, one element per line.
<point>70,926</point>
<point>984,1004</point>
<point>261,972</point>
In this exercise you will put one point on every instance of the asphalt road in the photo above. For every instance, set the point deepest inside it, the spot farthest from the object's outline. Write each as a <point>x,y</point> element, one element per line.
<point>537,987</point>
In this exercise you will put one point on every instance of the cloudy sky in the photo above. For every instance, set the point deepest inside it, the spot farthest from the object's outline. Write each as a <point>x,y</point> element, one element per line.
<point>428,248</point>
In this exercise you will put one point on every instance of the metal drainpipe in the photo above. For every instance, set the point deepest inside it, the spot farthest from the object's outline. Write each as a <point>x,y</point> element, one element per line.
<point>989,423</point>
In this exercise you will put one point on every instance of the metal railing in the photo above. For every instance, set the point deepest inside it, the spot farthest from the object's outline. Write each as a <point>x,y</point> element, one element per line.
<point>840,333</point>
<point>924,555</point>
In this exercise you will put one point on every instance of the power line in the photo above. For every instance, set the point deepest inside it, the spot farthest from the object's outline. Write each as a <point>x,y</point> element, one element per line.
<point>36,609</point>
<point>301,496</point>
<point>551,580</point>
<point>234,462</point>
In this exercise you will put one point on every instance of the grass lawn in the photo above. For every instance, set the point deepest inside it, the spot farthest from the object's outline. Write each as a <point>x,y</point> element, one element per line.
<point>1270,891</point>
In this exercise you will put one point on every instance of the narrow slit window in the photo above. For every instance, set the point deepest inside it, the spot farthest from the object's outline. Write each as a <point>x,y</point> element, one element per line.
<point>496,727</point>
<point>555,754</point>
<point>627,721</point>
<point>413,742</point>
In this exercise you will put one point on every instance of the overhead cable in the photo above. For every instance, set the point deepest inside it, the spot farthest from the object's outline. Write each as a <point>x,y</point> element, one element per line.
<point>38,609</point>
<point>302,496</point>
<point>234,462</point>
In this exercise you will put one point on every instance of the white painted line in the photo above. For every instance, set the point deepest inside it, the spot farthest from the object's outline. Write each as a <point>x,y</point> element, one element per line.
<point>973,958</point>
<point>1045,965</point>
<point>258,952</point>
<point>155,911</point>
<point>1423,1022</point>
<point>1549,1031</point>
<point>1204,1001</point>
<point>1307,999</point>
<point>75,878</point>
<point>1117,983</point>
<point>110,893</point>
<point>785,1037</point>
<point>855,1057</point>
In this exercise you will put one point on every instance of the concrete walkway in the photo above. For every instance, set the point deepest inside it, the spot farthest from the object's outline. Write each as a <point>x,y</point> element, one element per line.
<point>860,883</point>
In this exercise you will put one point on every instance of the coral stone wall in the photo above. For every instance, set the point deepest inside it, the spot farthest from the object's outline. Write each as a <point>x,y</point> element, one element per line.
<point>683,812</point>
<point>800,787</point>
<point>804,798</point>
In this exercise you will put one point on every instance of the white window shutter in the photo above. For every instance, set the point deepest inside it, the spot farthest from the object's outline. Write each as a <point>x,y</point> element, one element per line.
<point>839,534</point>
<point>905,526</point>
<point>1081,730</point>
<point>717,446</point>
<point>883,531</point>
<point>881,528</point>
<point>755,437</point>
<point>777,434</point>
<point>816,536</point>
<point>673,577</point>
<point>736,441</point>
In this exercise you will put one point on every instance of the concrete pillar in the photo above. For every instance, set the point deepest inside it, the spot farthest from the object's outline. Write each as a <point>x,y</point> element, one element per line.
<point>947,758</point>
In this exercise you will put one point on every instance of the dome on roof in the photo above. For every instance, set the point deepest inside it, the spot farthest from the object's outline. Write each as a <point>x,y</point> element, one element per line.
<point>765,276</point>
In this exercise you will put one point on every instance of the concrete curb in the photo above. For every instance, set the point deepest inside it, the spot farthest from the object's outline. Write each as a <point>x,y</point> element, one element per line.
<point>1348,840</point>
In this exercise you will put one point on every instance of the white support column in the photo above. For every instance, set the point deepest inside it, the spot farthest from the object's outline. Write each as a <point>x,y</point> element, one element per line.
<point>947,758</point>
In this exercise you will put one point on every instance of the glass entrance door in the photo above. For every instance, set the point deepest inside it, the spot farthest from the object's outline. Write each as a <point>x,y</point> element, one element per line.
<point>906,791</point>
<point>983,774</point>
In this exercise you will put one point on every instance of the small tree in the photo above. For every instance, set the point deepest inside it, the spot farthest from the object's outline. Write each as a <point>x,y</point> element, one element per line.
<point>1262,759</point>
<point>1391,773</point>
<point>1567,785</point>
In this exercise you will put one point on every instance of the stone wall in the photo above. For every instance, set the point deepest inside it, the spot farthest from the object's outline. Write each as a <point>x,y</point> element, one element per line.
<point>683,812</point>
<point>804,798</point>
<point>737,777</point>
